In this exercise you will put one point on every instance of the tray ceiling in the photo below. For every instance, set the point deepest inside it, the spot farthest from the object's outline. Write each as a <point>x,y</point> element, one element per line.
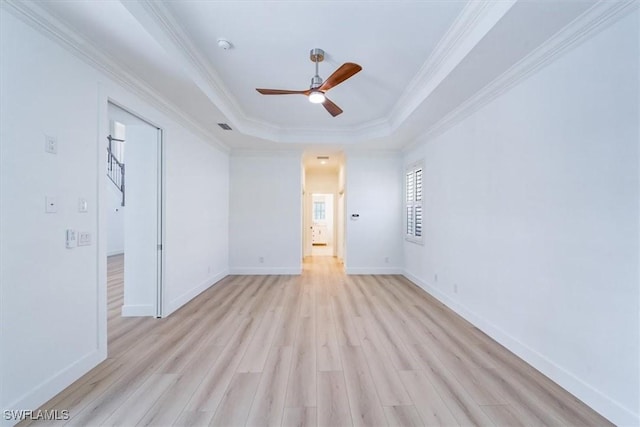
<point>423,61</point>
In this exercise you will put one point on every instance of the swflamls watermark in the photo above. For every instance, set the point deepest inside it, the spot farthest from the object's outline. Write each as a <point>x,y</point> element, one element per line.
<point>37,415</point>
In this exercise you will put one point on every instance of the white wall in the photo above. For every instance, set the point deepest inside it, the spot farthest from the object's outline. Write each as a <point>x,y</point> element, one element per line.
<point>322,181</point>
<point>531,209</point>
<point>49,294</point>
<point>196,202</point>
<point>266,213</point>
<point>53,306</point>
<point>374,191</point>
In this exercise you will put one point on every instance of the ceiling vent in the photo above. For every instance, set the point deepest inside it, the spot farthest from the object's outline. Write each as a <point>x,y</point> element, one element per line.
<point>323,157</point>
<point>224,126</point>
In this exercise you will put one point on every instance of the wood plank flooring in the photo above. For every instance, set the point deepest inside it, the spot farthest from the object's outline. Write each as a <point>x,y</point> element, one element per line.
<point>320,349</point>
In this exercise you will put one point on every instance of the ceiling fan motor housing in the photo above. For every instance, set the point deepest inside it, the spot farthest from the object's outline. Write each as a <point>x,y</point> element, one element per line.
<point>316,94</point>
<point>316,55</point>
<point>316,81</point>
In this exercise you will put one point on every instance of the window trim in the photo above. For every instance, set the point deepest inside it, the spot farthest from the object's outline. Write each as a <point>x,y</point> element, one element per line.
<point>415,202</point>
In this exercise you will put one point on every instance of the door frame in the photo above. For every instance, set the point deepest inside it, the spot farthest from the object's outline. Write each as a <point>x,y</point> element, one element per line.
<point>158,301</point>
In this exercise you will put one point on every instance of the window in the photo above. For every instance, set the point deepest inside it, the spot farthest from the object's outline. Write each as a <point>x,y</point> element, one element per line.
<point>319,213</point>
<point>413,204</point>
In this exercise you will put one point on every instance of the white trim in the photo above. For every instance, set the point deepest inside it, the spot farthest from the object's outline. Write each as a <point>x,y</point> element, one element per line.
<point>595,19</point>
<point>101,225</point>
<point>241,152</point>
<point>469,28</point>
<point>373,270</point>
<point>160,228</point>
<point>474,22</point>
<point>42,21</point>
<point>116,252</point>
<point>140,310</point>
<point>58,381</point>
<point>411,239</point>
<point>601,403</point>
<point>251,271</point>
<point>187,296</point>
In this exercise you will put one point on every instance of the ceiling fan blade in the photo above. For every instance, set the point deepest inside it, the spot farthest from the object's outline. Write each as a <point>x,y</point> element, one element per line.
<point>345,71</point>
<point>332,108</point>
<point>282,92</point>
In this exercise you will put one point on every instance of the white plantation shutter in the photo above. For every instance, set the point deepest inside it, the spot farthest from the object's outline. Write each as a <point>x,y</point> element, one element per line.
<point>410,191</point>
<point>413,200</point>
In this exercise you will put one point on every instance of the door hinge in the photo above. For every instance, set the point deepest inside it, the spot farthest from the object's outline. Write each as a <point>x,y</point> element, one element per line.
<point>160,246</point>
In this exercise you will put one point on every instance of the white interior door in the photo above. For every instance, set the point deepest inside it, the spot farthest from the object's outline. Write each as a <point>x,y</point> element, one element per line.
<point>142,222</point>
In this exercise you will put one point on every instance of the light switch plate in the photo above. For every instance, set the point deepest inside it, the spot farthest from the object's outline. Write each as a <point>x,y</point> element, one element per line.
<point>83,205</point>
<point>50,144</point>
<point>71,239</point>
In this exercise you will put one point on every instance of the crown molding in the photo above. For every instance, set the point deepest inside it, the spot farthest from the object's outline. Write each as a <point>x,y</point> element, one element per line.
<point>347,136</point>
<point>588,24</point>
<point>382,153</point>
<point>246,152</point>
<point>51,27</point>
<point>468,29</point>
<point>181,45</point>
<point>159,22</point>
<point>474,22</point>
<point>477,18</point>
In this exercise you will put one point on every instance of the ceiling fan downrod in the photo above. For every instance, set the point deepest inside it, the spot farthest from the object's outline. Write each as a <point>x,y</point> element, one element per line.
<point>316,55</point>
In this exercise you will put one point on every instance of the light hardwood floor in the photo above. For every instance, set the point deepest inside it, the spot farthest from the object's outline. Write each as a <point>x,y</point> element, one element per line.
<point>323,349</point>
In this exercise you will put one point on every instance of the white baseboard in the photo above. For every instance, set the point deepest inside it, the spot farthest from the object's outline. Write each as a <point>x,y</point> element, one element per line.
<point>606,406</point>
<point>118,252</point>
<point>138,310</point>
<point>266,271</point>
<point>54,385</point>
<point>373,270</point>
<point>192,293</point>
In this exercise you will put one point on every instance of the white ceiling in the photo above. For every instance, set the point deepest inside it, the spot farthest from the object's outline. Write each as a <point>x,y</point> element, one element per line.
<point>422,60</point>
<point>272,40</point>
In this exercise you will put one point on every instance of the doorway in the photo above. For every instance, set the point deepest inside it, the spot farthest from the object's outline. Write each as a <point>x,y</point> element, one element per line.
<point>323,218</point>
<point>322,225</point>
<point>134,217</point>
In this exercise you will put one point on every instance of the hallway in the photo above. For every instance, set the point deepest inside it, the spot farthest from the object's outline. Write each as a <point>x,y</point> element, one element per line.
<point>322,348</point>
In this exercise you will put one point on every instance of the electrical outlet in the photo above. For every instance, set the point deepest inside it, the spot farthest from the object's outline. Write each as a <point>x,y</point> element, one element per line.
<point>455,288</point>
<point>261,259</point>
<point>386,259</point>
<point>84,238</point>
<point>435,278</point>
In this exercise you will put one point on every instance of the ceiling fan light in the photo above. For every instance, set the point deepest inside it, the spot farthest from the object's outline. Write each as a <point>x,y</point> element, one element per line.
<point>316,97</point>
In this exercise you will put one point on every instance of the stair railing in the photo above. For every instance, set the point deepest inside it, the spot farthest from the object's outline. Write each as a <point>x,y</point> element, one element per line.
<point>115,168</point>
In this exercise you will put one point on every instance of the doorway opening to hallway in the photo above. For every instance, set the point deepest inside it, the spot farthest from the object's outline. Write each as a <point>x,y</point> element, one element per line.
<point>323,205</point>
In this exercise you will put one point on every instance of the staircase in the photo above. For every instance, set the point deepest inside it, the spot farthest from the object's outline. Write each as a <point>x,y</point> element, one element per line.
<point>115,168</point>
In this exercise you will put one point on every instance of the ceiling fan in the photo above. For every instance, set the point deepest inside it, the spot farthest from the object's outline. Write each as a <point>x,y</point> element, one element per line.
<point>316,92</point>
